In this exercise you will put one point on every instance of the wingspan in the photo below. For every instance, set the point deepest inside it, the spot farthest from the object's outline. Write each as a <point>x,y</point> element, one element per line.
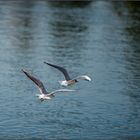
<point>60,90</point>
<point>63,70</point>
<point>37,82</point>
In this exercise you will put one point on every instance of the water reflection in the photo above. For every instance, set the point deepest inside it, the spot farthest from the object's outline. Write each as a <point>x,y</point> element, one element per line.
<point>69,30</point>
<point>22,23</point>
<point>69,4</point>
<point>132,51</point>
<point>132,58</point>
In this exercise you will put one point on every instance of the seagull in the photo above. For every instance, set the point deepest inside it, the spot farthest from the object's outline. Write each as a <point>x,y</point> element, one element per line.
<point>68,81</point>
<point>44,95</point>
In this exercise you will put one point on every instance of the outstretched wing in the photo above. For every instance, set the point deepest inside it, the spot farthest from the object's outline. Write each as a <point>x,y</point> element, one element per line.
<point>63,70</point>
<point>37,82</point>
<point>60,90</point>
<point>83,77</point>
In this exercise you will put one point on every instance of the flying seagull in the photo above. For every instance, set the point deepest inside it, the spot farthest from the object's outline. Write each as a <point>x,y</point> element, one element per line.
<point>44,95</point>
<point>68,81</point>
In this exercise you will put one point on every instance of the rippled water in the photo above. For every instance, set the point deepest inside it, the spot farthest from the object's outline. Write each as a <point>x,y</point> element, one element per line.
<point>97,38</point>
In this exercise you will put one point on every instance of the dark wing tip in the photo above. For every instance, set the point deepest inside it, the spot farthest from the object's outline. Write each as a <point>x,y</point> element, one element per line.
<point>47,63</point>
<point>53,65</point>
<point>22,70</point>
<point>62,69</point>
<point>26,73</point>
<point>58,67</point>
<point>36,81</point>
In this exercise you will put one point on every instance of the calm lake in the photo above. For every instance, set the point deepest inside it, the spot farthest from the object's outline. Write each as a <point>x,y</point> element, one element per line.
<point>97,38</point>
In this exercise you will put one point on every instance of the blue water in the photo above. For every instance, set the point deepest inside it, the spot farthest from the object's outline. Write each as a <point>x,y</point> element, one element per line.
<point>97,38</point>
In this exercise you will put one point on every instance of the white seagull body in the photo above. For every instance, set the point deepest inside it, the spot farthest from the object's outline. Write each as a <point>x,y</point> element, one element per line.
<point>68,81</point>
<point>44,95</point>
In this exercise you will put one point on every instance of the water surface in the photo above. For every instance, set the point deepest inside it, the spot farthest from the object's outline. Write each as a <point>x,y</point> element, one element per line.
<point>97,38</point>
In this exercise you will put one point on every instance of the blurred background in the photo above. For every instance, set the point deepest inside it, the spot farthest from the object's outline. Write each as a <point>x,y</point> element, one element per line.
<point>97,38</point>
